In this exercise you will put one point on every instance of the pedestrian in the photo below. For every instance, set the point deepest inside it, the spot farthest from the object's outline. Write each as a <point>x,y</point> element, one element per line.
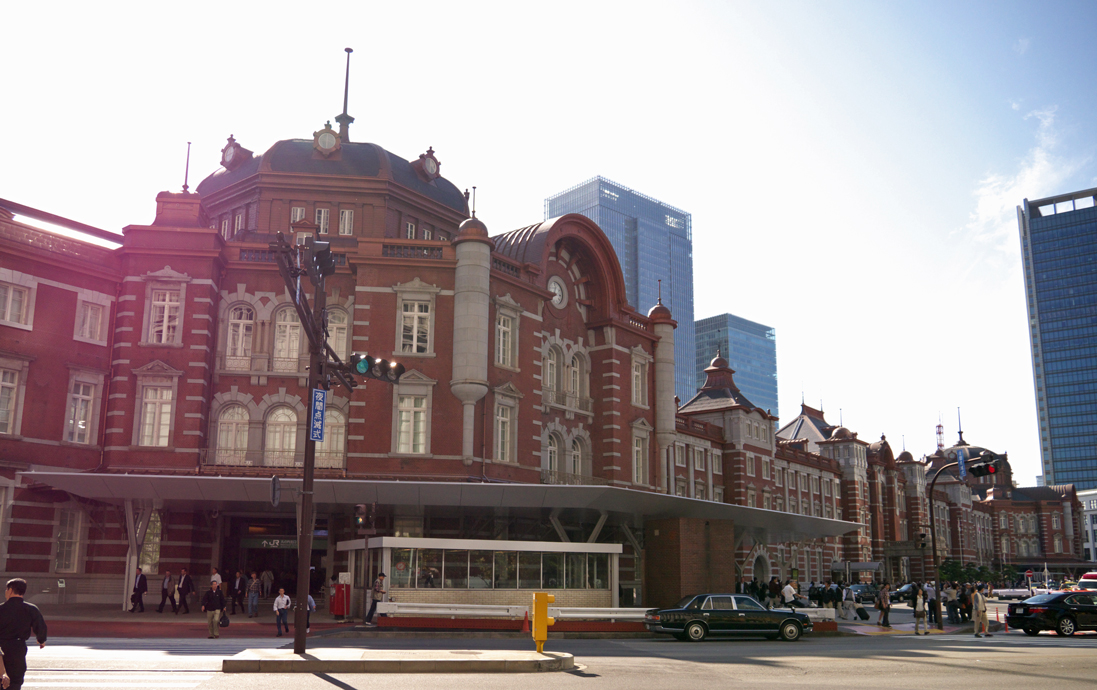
<point>965,603</point>
<point>979,610</point>
<point>215,576</point>
<point>931,603</point>
<point>18,619</point>
<point>281,611</point>
<point>788,594</point>
<point>883,602</point>
<point>920,611</point>
<point>774,592</point>
<point>254,587</point>
<point>238,589</point>
<point>951,603</point>
<point>308,614</point>
<point>167,593</point>
<point>378,594</point>
<point>140,586</point>
<point>268,581</point>
<point>849,603</point>
<point>186,586</point>
<point>213,604</point>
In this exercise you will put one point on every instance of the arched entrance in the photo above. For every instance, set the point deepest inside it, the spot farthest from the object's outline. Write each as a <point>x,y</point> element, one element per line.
<point>761,568</point>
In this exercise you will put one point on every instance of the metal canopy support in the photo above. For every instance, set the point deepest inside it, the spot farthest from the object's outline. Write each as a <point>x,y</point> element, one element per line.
<point>554,520</point>
<point>137,525</point>
<point>603,515</point>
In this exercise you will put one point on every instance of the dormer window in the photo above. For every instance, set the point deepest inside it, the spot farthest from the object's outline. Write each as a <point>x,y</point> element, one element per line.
<point>409,230</point>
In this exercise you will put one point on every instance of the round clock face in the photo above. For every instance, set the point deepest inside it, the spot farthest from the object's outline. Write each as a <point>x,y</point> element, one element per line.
<point>430,166</point>
<point>229,152</point>
<point>559,296</point>
<point>327,140</point>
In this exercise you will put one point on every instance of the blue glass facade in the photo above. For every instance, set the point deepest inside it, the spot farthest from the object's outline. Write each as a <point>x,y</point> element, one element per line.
<point>1059,250</point>
<point>653,242</point>
<point>750,349</point>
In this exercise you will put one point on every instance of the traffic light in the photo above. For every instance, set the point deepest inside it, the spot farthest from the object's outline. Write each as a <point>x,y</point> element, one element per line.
<point>360,513</point>
<point>375,368</point>
<point>541,620</point>
<point>986,465</point>
<point>319,261</point>
<point>921,542</point>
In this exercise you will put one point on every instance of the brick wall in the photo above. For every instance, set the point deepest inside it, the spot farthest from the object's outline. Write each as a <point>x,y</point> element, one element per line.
<point>687,556</point>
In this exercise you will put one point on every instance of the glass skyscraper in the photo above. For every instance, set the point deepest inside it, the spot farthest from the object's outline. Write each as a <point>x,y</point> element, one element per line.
<point>653,242</point>
<point>1059,250</point>
<point>750,349</point>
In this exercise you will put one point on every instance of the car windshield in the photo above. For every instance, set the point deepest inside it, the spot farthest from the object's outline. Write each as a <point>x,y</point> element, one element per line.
<point>1041,598</point>
<point>1087,584</point>
<point>684,603</point>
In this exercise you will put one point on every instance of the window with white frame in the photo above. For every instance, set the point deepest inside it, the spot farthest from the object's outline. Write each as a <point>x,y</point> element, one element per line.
<point>1001,522</point>
<point>750,465</point>
<point>717,459</point>
<point>1055,522</point>
<point>639,460</point>
<point>89,321</point>
<point>415,333</point>
<point>164,321</point>
<point>337,332</point>
<point>332,451</point>
<point>504,340</point>
<point>777,475</point>
<point>578,381</point>
<point>409,230</point>
<point>156,413</point>
<point>346,222</point>
<point>240,333</point>
<point>814,485</point>
<point>765,468</point>
<point>826,487</point>
<point>68,541</point>
<point>280,449</point>
<point>427,234</point>
<point>718,494</point>
<point>640,368</point>
<point>225,228</point>
<point>698,458</point>
<point>287,340</point>
<point>239,225</point>
<point>680,487</point>
<point>550,377</point>
<point>232,436</point>
<point>1058,543</point>
<point>751,499</point>
<point>412,424</point>
<point>296,214</point>
<point>767,501</point>
<point>679,455</point>
<point>10,398</point>
<point>83,410</point>
<point>575,458</point>
<point>552,454</point>
<point>765,431</point>
<point>504,433</point>
<point>323,216</point>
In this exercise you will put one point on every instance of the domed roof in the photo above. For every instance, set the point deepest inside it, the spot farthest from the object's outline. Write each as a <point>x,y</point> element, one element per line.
<point>660,313</point>
<point>905,456</point>
<point>472,229</point>
<point>719,362</point>
<point>841,432</point>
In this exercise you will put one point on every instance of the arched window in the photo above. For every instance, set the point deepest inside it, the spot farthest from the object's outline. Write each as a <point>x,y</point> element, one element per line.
<point>1058,543</point>
<point>337,333</point>
<point>575,376</point>
<point>331,452</point>
<point>551,370</point>
<point>287,340</point>
<point>232,436</point>
<point>575,457</point>
<point>553,460</point>
<point>241,328</point>
<point>281,438</point>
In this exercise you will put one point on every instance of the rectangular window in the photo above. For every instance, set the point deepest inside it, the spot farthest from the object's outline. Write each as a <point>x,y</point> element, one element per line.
<point>427,234</point>
<point>239,223</point>
<point>296,214</point>
<point>680,455</point>
<point>777,476</point>
<point>639,447</point>
<point>718,494</point>
<point>413,424</point>
<point>165,316</point>
<point>346,222</point>
<point>750,465</point>
<point>717,462</point>
<point>9,388</point>
<point>814,485</point>
<point>765,468</point>
<point>766,501</point>
<point>409,231</point>
<point>68,541</point>
<point>502,433</point>
<point>639,383</point>
<point>155,416</point>
<point>91,321</point>
<point>750,499</point>
<point>698,458</point>
<point>225,228</point>
<point>13,303</point>
<point>79,418</point>
<point>504,340</point>
<point>416,327</point>
<point>826,487</point>
<point>322,217</point>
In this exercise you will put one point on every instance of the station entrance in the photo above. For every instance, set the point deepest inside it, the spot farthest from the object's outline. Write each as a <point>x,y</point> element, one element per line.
<point>256,544</point>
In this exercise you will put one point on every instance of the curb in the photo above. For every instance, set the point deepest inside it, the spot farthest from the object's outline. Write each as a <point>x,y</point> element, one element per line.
<point>292,663</point>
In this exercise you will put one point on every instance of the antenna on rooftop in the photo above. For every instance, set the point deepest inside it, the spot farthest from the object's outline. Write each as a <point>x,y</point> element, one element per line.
<point>960,425</point>
<point>660,298</point>
<point>473,201</point>
<point>343,118</point>
<point>940,433</point>
<point>186,173</point>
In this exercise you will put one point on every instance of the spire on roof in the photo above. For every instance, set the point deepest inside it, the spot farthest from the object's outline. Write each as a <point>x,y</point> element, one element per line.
<point>343,118</point>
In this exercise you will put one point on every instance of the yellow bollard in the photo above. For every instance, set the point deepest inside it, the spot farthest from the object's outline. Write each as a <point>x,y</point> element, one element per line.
<point>541,619</point>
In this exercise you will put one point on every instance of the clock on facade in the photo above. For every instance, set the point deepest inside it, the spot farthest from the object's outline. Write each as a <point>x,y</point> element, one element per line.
<point>234,155</point>
<point>559,292</point>
<point>326,141</point>
<point>427,166</point>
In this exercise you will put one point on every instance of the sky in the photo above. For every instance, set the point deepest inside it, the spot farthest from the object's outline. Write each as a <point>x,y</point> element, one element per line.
<point>852,168</point>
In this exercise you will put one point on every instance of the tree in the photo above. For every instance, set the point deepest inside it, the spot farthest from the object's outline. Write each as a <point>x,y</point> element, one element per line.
<point>951,570</point>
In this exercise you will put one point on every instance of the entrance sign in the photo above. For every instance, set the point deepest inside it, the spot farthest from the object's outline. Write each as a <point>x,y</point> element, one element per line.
<point>316,423</point>
<point>283,543</point>
<point>1029,574</point>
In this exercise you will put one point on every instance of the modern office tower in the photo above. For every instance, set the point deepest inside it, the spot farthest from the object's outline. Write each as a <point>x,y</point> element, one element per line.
<point>653,242</point>
<point>750,349</point>
<point>1059,249</point>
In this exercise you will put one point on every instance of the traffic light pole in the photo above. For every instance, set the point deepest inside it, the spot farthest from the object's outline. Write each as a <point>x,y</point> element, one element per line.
<point>304,539</point>
<point>933,536</point>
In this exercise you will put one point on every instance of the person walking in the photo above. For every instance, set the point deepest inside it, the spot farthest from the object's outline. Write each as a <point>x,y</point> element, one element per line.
<point>254,587</point>
<point>774,592</point>
<point>920,611</point>
<point>377,595</point>
<point>930,593</point>
<point>167,593</point>
<point>186,586</point>
<point>849,603</point>
<point>979,613</point>
<point>281,611</point>
<point>308,614</point>
<point>140,586</point>
<point>18,619</point>
<point>213,604</point>
<point>215,576</point>
<point>238,588</point>
<point>883,602</point>
<point>788,594</point>
<point>268,580</point>
<point>951,604</point>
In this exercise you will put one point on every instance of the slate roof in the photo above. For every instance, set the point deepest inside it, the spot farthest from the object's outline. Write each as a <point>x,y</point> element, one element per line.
<point>1040,493</point>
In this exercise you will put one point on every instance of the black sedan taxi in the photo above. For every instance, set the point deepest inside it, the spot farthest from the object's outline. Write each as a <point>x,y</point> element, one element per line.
<point>1064,612</point>
<point>700,615</point>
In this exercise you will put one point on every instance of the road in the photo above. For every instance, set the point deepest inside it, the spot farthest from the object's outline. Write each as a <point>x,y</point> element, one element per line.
<point>1005,662</point>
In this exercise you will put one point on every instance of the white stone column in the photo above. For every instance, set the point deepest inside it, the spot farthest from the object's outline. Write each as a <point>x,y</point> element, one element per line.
<point>471,326</point>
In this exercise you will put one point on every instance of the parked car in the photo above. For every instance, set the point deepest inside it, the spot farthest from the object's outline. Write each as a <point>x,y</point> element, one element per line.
<point>1063,612</point>
<point>699,615</point>
<point>903,593</point>
<point>1088,581</point>
<point>866,593</point>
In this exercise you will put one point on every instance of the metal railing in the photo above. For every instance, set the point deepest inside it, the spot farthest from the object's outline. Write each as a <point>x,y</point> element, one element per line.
<point>569,400</point>
<point>406,251</point>
<point>261,458</point>
<point>503,611</point>
<point>568,479</point>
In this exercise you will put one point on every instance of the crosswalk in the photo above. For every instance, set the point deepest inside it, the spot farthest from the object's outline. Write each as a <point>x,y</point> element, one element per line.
<point>150,680</point>
<point>74,647</point>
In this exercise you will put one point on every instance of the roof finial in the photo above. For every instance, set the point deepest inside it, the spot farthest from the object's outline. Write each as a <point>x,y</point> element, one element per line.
<point>473,201</point>
<point>660,298</point>
<point>343,118</point>
<point>960,425</point>
<point>186,174</point>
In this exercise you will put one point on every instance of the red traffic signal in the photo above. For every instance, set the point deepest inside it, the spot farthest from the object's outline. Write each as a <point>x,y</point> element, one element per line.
<point>987,464</point>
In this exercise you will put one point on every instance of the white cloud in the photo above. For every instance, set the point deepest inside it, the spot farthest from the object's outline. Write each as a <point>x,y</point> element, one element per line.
<point>1021,46</point>
<point>1040,174</point>
<point>1016,105</point>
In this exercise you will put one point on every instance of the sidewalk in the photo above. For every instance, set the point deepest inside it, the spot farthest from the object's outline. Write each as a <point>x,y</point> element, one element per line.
<point>902,623</point>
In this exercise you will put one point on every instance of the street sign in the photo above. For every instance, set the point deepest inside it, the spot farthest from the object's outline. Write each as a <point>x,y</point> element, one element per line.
<point>275,491</point>
<point>963,465</point>
<point>316,425</point>
<point>1029,574</point>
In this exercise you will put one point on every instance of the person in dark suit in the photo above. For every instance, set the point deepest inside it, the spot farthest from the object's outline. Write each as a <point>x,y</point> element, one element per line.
<point>18,620</point>
<point>186,586</point>
<point>140,586</point>
<point>238,589</point>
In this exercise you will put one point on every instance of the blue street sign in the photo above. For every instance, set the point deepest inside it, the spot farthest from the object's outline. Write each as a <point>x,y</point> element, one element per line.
<point>963,465</point>
<point>316,423</point>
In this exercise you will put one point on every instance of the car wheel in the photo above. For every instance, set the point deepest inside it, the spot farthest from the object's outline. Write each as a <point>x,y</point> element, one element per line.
<point>790,631</point>
<point>1032,630</point>
<point>695,632</point>
<point>1066,626</point>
